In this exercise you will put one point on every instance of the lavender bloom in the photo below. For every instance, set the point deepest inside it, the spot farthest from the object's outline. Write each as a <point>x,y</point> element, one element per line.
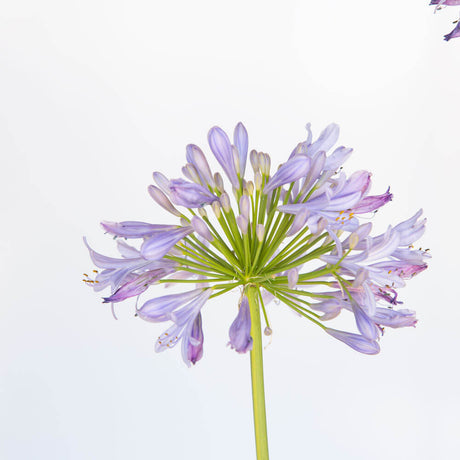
<point>133,229</point>
<point>240,139</point>
<point>137,285</point>
<point>355,341</point>
<point>454,34</point>
<point>445,2</point>
<point>222,150</point>
<point>240,330</point>
<point>293,236</point>
<point>159,245</point>
<point>188,194</point>
<point>292,170</point>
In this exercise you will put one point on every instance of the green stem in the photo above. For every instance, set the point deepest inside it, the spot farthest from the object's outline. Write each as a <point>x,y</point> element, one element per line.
<point>257,375</point>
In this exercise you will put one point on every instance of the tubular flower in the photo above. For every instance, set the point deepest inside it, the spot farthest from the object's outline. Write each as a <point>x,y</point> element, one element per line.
<point>440,4</point>
<point>293,235</point>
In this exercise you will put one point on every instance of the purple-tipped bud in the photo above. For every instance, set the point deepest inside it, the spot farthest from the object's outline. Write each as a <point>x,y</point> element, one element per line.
<point>254,158</point>
<point>240,139</point>
<point>190,195</point>
<point>196,157</point>
<point>162,181</point>
<point>222,150</point>
<point>293,277</point>
<point>242,224</point>
<point>159,245</point>
<point>201,228</point>
<point>294,169</point>
<point>258,180</point>
<point>190,172</point>
<point>260,232</point>
<point>240,330</point>
<point>134,229</point>
<point>245,206</point>
<point>219,182</point>
<point>216,209</point>
<point>162,200</point>
<point>225,202</point>
<point>355,341</point>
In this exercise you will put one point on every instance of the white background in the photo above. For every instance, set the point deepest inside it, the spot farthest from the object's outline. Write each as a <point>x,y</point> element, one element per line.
<point>94,96</point>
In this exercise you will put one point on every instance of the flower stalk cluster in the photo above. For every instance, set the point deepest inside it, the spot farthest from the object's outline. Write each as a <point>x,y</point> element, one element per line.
<point>440,4</point>
<point>293,234</point>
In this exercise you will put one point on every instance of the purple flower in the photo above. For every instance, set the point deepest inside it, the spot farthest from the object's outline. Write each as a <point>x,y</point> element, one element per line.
<point>190,195</point>
<point>240,330</point>
<point>445,2</point>
<point>222,150</point>
<point>183,310</point>
<point>292,170</point>
<point>372,203</point>
<point>355,341</point>
<point>240,139</point>
<point>455,33</point>
<point>196,157</point>
<point>159,245</point>
<point>137,284</point>
<point>134,229</point>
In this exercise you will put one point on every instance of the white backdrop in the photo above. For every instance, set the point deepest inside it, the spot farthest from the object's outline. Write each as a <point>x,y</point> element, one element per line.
<point>94,96</point>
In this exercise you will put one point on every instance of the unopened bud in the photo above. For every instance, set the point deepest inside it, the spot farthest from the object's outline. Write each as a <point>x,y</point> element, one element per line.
<point>219,182</point>
<point>245,206</point>
<point>202,212</point>
<point>225,202</point>
<point>268,331</point>
<point>184,222</point>
<point>249,188</point>
<point>258,180</point>
<point>190,172</point>
<point>201,228</point>
<point>236,160</point>
<point>162,200</point>
<point>253,157</point>
<point>293,278</point>
<point>260,232</point>
<point>215,205</point>
<point>162,181</point>
<point>242,224</point>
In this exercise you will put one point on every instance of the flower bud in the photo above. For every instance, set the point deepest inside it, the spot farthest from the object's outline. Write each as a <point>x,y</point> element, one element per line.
<point>202,212</point>
<point>260,232</point>
<point>190,172</point>
<point>268,331</point>
<point>201,228</point>
<point>225,202</point>
<point>245,206</point>
<point>216,209</point>
<point>258,180</point>
<point>162,200</point>
<point>162,181</point>
<point>219,182</point>
<point>242,224</point>
<point>249,189</point>
<point>293,278</point>
<point>253,157</point>
<point>236,160</point>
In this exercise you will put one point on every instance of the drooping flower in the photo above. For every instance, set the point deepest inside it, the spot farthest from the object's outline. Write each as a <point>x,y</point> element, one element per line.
<point>294,234</point>
<point>439,4</point>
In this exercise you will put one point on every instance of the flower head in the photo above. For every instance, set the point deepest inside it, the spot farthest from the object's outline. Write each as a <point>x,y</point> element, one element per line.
<point>294,234</point>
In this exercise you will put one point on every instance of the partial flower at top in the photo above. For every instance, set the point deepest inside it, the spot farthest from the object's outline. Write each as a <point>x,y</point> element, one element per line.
<point>439,4</point>
<point>300,234</point>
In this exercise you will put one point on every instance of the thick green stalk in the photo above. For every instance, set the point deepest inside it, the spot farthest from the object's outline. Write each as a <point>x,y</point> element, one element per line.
<point>257,375</point>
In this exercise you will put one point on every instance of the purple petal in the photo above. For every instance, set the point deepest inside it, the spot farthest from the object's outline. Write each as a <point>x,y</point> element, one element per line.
<point>159,245</point>
<point>240,330</point>
<point>190,195</point>
<point>222,150</point>
<point>371,203</point>
<point>455,33</point>
<point>192,342</point>
<point>355,341</point>
<point>292,170</point>
<point>134,229</point>
<point>240,139</point>
<point>196,157</point>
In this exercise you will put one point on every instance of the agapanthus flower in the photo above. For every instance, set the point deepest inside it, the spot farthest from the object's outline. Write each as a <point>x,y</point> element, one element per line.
<point>439,4</point>
<point>294,234</point>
